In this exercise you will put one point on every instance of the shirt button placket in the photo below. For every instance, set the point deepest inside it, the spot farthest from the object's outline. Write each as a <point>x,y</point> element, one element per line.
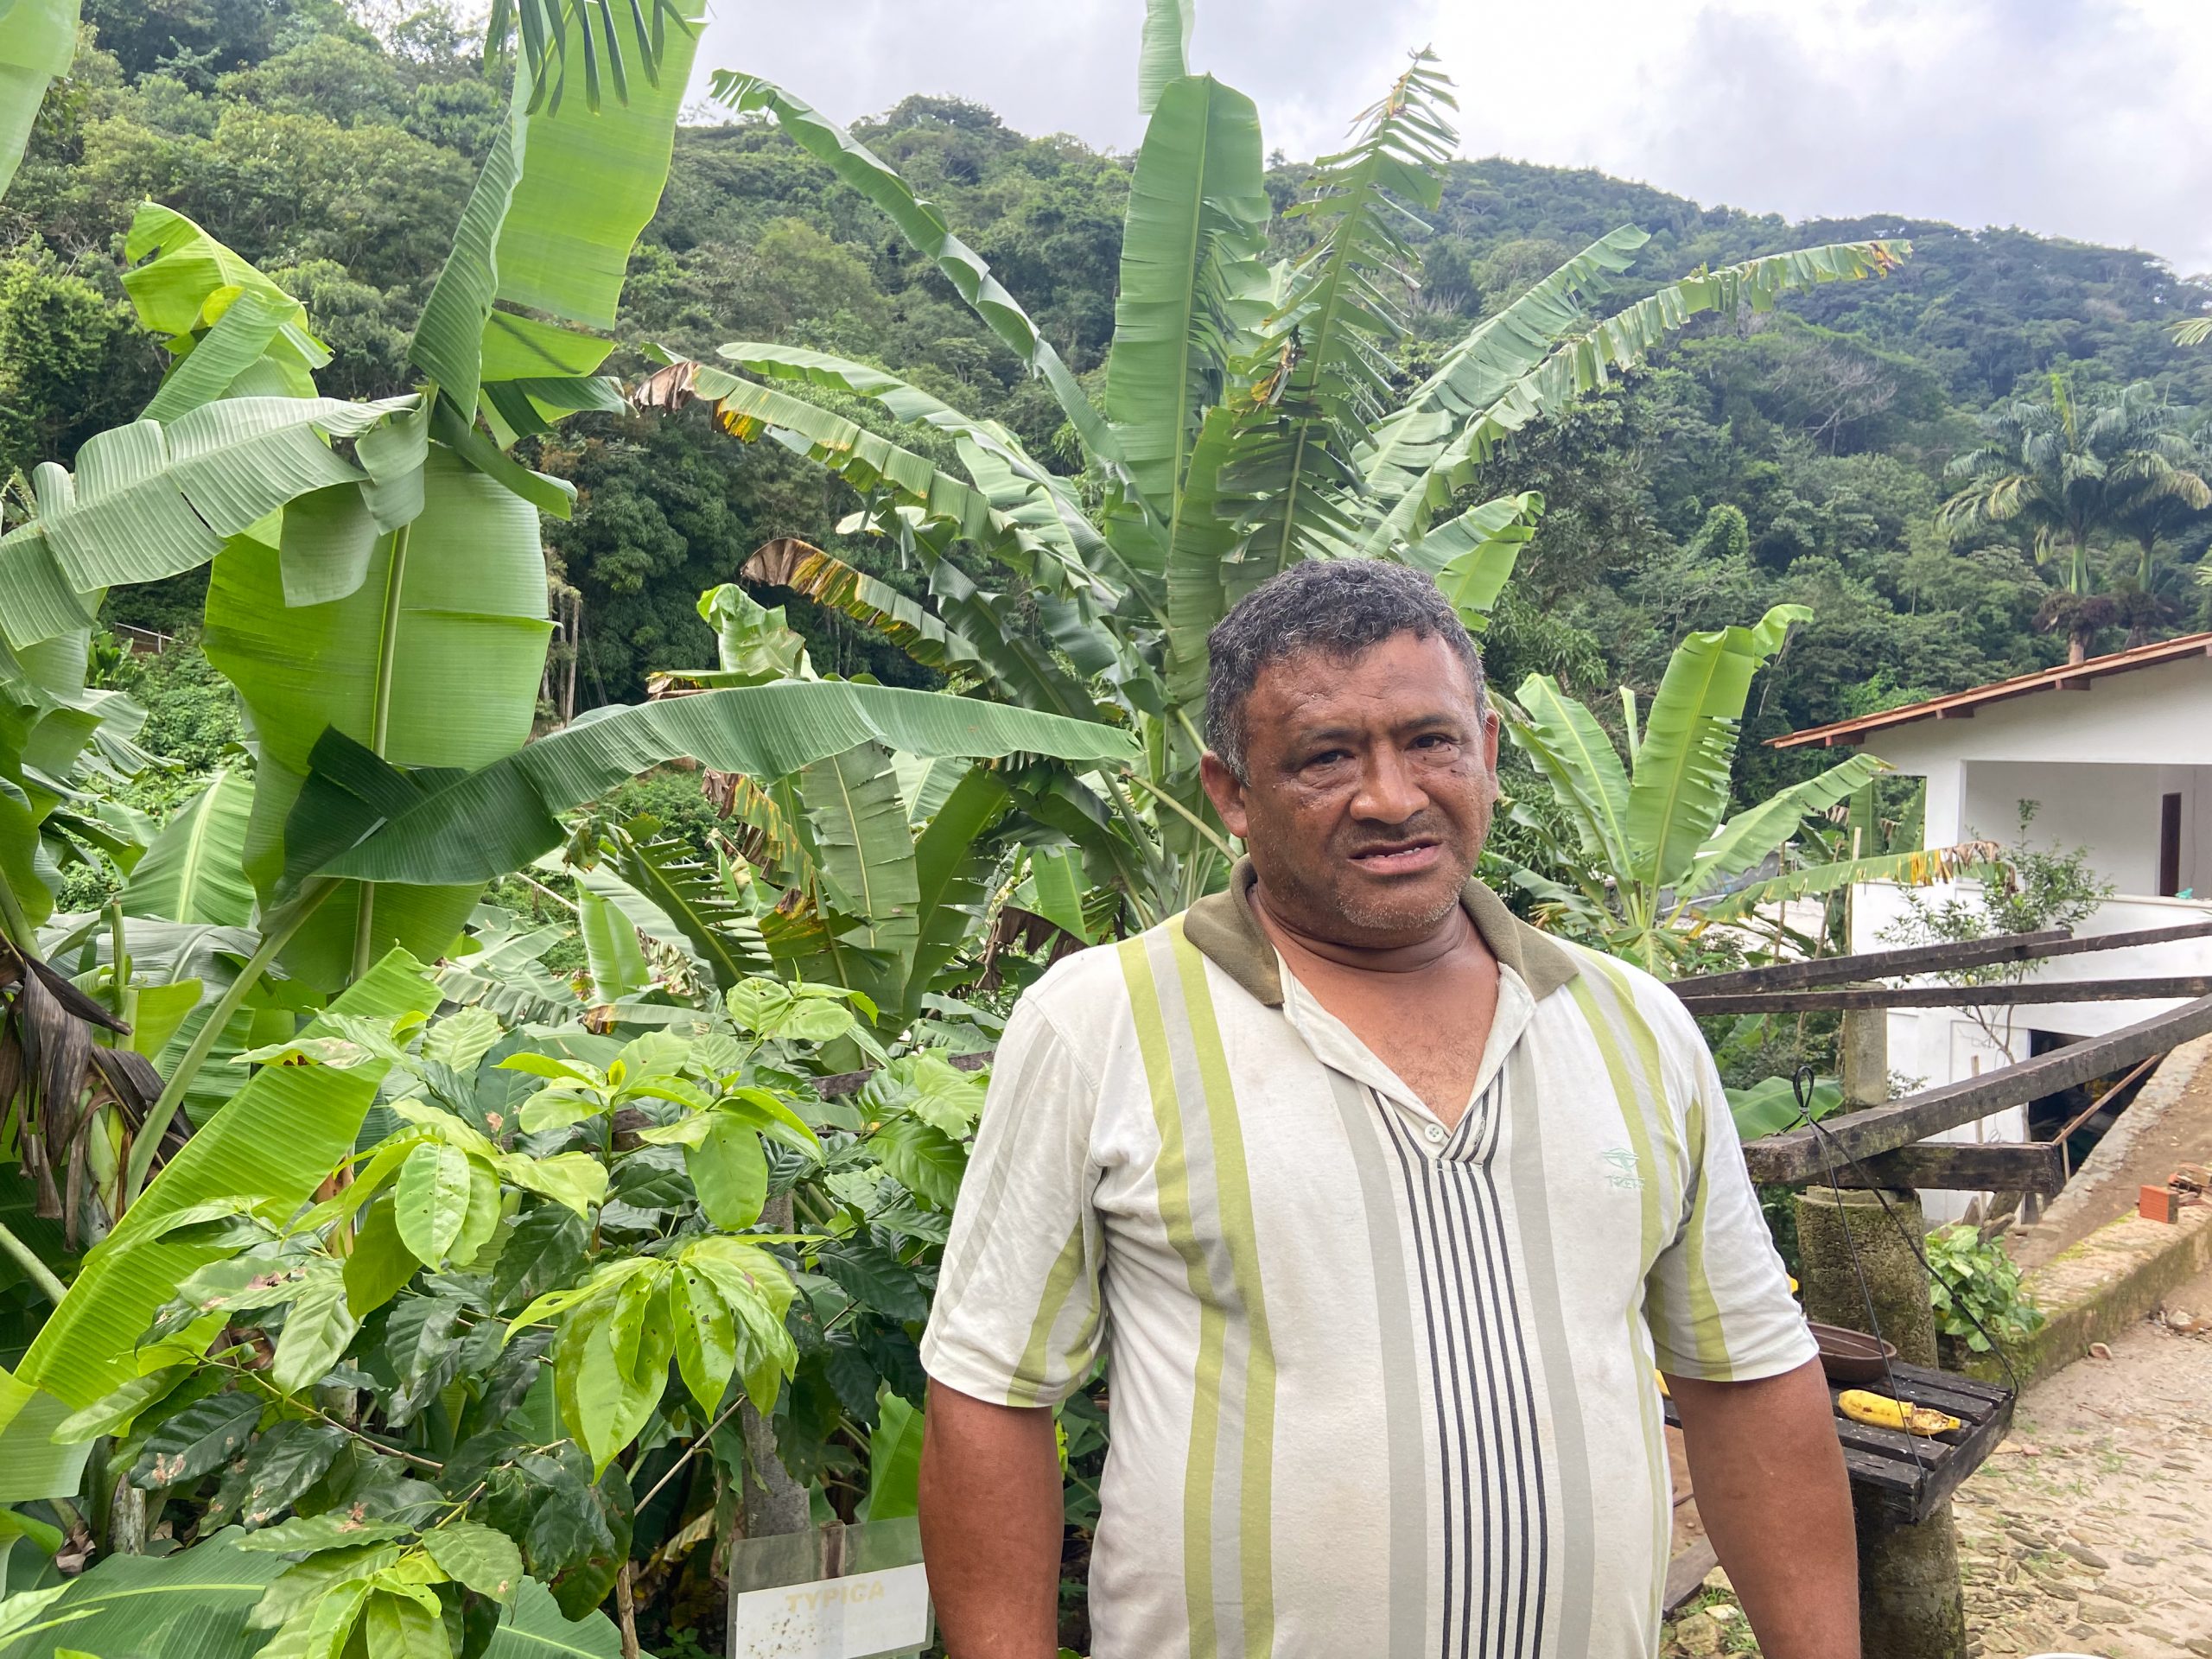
<point>1435,1134</point>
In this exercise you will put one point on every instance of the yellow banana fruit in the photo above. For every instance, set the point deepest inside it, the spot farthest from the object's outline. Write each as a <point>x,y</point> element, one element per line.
<point>1879,1411</point>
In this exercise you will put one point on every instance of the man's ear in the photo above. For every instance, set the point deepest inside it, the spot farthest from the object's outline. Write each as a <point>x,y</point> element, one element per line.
<point>1224,791</point>
<point>1493,727</point>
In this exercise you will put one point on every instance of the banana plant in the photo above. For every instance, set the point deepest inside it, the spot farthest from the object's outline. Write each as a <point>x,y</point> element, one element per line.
<point>868,867</point>
<point>1649,851</point>
<point>1250,421</point>
<point>376,566</point>
<point>38,38</point>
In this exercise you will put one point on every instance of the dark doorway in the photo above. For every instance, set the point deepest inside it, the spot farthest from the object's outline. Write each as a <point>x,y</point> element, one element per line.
<point>2168,846</point>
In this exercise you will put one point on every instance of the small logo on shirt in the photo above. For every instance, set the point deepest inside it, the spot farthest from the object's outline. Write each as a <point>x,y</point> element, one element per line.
<point>1621,1169</point>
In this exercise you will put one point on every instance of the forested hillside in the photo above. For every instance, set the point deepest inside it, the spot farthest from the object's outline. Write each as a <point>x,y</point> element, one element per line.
<point>1801,459</point>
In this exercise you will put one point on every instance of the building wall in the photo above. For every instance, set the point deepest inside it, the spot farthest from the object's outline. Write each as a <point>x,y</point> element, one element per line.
<point>2113,810</point>
<point>2096,761</point>
<point>2160,715</point>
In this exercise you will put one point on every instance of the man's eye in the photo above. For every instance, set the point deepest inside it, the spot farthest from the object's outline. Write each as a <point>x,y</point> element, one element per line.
<point>1328,757</point>
<point>1435,741</point>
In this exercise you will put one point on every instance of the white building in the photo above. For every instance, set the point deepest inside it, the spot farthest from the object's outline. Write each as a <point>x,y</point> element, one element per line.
<point>2117,754</point>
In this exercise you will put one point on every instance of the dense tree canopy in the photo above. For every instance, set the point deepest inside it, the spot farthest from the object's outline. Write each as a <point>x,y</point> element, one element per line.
<point>1800,459</point>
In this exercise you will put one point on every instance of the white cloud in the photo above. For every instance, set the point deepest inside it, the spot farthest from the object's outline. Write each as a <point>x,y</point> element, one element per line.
<point>2088,118</point>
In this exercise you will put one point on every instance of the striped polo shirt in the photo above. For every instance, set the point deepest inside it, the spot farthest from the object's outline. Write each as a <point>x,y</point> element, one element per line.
<point>1375,1387</point>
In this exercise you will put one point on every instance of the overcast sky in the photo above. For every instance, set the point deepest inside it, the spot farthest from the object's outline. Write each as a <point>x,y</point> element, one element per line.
<point>2086,119</point>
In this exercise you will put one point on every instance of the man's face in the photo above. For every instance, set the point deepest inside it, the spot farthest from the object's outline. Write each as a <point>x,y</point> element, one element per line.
<point>1372,782</point>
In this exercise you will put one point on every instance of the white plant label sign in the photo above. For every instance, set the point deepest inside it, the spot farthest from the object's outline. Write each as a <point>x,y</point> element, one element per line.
<point>855,1618</point>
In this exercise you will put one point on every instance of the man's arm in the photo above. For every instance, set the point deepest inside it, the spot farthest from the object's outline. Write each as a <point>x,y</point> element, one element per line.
<point>991,1522</point>
<point>1768,1472</point>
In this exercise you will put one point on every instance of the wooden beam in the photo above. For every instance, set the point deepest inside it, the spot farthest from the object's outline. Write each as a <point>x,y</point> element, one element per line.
<point>2030,993</point>
<point>1965,713</point>
<point>1933,958</point>
<point>1796,1157</point>
<point>2019,1166</point>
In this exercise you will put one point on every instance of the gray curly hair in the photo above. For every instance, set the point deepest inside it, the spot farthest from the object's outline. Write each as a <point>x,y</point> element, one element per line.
<point>1338,607</point>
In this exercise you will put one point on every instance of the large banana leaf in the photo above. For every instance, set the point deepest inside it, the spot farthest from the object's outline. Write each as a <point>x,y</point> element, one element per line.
<point>57,735</point>
<point>1472,556</point>
<point>1021,664</point>
<point>1164,50</point>
<point>1749,835</point>
<point>869,462</point>
<point>194,1604</point>
<point>692,897</point>
<point>1193,284</point>
<point>952,871</point>
<point>1036,499</point>
<point>1582,363</point>
<point>149,500</point>
<point>590,181</point>
<point>282,1133</point>
<point>612,954</point>
<point>37,40</point>
<point>555,212</point>
<point>181,278</point>
<point>558,34</point>
<point>1332,333</point>
<point>368,821</point>
<point>862,846</point>
<point>829,581</point>
<point>1476,372</point>
<point>230,331</point>
<point>855,164</point>
<point>984,644</point>
<point>195,869</point>
<point>1680,787</point>
<point>466,631</point>
<point>1202,536</point>
<point>1580,763</point>
<point>1918,869</point>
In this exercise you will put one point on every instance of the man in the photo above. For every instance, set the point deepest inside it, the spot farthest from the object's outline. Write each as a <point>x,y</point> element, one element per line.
<point>1384,1207</point>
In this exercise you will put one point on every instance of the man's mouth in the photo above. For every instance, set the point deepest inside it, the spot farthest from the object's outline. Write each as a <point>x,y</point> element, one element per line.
<point>1407,857</point>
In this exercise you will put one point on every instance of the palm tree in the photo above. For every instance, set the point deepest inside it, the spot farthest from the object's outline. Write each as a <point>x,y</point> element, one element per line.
<point>1250,421</point>
<point>2070,472</point>
<point>2157,476</point>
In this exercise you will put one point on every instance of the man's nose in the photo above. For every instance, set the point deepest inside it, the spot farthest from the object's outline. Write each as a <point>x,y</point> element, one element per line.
<point>1388,793</point>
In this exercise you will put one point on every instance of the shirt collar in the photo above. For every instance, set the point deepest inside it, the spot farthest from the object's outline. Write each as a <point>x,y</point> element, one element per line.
<point>1226,932</point>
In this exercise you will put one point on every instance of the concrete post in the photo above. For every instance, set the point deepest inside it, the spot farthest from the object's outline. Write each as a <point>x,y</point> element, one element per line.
<point>1911,1604</point>
<point>1864,1061</point>
<point>1894,1281</point>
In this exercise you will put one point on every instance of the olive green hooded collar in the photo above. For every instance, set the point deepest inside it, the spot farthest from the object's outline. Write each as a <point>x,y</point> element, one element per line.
<point>1224,930</point>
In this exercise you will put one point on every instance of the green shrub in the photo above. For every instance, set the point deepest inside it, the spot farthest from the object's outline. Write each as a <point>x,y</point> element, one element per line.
<point>1972,1282</point>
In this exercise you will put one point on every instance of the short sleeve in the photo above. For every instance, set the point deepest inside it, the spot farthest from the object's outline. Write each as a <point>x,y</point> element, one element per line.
<point>1718,1298</point>
<point>1016,1318</point>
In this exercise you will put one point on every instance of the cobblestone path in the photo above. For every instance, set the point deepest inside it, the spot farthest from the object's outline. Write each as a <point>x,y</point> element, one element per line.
<point>2090,1531</point>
